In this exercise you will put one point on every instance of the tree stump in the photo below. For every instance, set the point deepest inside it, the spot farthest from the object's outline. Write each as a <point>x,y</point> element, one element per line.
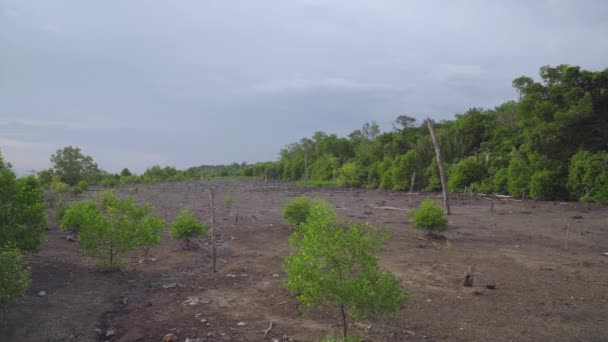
<point>468,277</point>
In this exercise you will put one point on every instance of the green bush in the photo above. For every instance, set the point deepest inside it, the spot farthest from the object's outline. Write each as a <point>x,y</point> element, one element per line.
<point>186,226</point>
<point>80,187</point>
<point>464,173</point>
<point>113,227</point>
<point>74,217</point>
<point>14,275</point>
<point>588,176</point>
<point>58,186</point>
<point>501,181</point>
<point>349,175</point>
<point>296,211</point>
<point>429,217</point>
<point>336,263</point>
<point>547,185</point>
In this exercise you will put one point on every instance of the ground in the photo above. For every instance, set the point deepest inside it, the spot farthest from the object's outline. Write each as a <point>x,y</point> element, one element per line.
<point>543,292</point>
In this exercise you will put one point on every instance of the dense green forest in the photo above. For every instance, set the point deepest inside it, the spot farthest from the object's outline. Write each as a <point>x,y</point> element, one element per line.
<point>549,144</point>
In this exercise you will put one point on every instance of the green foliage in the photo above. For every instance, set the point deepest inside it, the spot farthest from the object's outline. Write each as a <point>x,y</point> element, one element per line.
<point>58,186</point>
<point>464,173</point>
<point>74,217</point>
<point>113,227</point>
<point>15,277</point>
<point>588,176</point>
<point>186,226</point>
<point>22,218</point>
<point>402,169</point>
<point>428,217</point>
<point>72,166</point>
<point>296,211</point>
<point>501,181</point>
<point>349,175</point>
<point>80,187</point>
<point>547,185</point>
<point>334,263</point>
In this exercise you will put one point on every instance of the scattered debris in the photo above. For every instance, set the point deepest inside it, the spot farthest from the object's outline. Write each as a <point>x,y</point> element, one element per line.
<point>363,326</point>
<point>276,275</point>
<point>193,339</point>
<point>170,338</point>
<point>110,332</point>
<point>241,324</point>
<point>125,300</point>
<point>72,238</point>
<point>170,286</point>
<point>204,320</point>
<point>42,293</point>
<point>266,331</point>
<point>231,275</point>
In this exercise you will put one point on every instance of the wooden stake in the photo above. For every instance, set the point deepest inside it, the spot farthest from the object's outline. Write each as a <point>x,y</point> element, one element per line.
<point>468,277</point>
<point>492,204</point>
<point>438,152</point>
<point>566,239</point>
<point>213,239</point>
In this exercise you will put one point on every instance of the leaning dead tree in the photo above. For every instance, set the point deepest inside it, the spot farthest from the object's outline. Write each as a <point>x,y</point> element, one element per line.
<point>439,153</point>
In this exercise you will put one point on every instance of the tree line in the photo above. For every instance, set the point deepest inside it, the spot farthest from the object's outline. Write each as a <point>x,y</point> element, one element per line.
<point>550,144</point>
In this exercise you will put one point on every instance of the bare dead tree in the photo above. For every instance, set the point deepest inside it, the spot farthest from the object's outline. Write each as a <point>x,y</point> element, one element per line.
<point>413,181</point>
<point>439,153</point>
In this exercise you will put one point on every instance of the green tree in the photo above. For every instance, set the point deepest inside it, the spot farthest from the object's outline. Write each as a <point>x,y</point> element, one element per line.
<point>113,227</point>
<point>186,227</point>
<point>15,277</point>
<point>428,217</point>
<point>72,166</point>
<point>334,263</point>
<point>22,224</point>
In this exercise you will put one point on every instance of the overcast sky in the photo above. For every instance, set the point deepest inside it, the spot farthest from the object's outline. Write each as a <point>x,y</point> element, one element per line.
<point>141,82</point>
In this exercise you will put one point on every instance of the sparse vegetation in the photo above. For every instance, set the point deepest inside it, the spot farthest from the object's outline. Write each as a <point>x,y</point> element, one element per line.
<point>429,217</point>
<point>14,275</point>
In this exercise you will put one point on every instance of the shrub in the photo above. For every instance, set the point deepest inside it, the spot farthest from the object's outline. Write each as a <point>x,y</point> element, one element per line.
<point>80,187</point>
<point>74,217</point>
<point>588,176</point>
<point>429,217</point>
<point>14,275</point>
<point>113,227</point>
<point>464,173</point>
<point>547,185</point>
<point>296,211</point>
<point>338,264</point>
<point>349,175</point>
<point>186,226</point>
<point>501,181</point>
<point>58,186</point>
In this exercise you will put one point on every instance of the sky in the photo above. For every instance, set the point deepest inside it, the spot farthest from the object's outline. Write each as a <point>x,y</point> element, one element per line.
<point>135,83</point>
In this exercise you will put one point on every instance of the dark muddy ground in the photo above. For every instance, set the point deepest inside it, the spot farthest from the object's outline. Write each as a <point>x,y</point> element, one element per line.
<point>543,292</point>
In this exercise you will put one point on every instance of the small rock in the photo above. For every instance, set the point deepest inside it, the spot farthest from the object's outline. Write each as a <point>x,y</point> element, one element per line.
<point>42,293</point>
<point>152,259</point>
<point>72,238</point>
<point>98,331</point>
<point>193,339</point>
<point>276,275</point>
<point>363,326</point>
<point>241,324</point>
<point>170,286</point>
<point>606,254</point>
<point>110,332</point>
<point>125,300</point>
<point>170,338</point>
<point>231,275</point>
<point>204,320</point>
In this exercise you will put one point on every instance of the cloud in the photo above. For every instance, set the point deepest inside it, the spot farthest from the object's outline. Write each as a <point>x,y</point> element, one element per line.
<point>9,12</point>
<point>70,124</point>
<point>302,86</point>
<point>19,144</point>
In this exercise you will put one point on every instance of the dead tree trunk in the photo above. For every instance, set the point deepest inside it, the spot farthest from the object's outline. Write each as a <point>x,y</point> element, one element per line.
<point>213,239</point>
<point>438,152</point>
<point>413,182</point>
